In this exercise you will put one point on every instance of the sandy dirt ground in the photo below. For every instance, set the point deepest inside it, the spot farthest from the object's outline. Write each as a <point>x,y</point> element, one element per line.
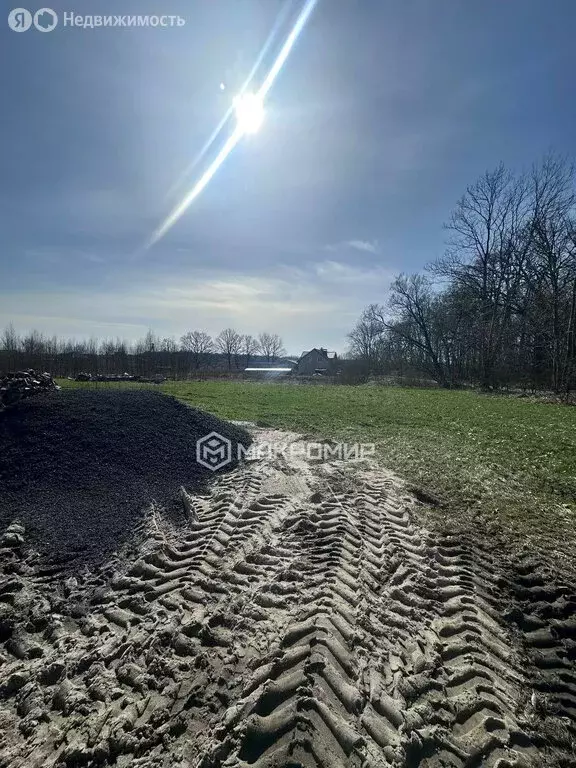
<point>303,616</point>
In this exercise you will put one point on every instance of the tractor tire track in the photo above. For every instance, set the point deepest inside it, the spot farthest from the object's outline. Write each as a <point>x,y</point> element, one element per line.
<point>304,617</point>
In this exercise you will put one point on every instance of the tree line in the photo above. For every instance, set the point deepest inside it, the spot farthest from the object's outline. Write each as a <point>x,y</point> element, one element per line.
<point>499,307</point>
<point>195,351</point>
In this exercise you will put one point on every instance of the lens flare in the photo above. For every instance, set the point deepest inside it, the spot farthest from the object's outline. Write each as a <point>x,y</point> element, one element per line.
<point>249,110</point>
<point>280,19</point>
<point>198,187</point>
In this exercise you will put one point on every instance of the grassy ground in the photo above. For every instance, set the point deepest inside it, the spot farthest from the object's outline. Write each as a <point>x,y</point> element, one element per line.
<point>509,459</point>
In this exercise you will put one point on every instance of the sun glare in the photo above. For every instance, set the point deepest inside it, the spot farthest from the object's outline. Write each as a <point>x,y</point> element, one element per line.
<point>249,109</point>
<point>249,112</point>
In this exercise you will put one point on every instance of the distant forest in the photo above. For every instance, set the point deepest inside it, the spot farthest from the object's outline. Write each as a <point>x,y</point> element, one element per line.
<point>499,308</point>
<point>196,352</point>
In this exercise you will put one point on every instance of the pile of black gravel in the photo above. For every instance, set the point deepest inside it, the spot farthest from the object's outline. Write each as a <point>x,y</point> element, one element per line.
<point>79,467</point>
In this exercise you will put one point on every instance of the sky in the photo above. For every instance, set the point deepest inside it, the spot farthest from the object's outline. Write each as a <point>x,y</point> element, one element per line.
<point>382,115</point>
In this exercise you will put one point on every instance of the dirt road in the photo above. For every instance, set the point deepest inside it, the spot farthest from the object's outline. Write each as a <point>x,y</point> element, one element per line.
<point>304,616</point>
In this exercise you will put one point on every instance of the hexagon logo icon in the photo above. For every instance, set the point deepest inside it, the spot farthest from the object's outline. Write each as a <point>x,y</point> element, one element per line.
<point>45,20</point>
<point>213,451</point>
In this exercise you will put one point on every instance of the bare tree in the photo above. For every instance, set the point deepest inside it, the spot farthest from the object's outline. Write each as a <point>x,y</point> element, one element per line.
<point>33,343</point>
<point>9,341</point>
<point>229,342</point>
<point>490,237</point>
<point>150,341</point>
<point>366,336</point>
<point>107,347</point>
<point>198,344</point>
<point>146,345</point>
<point>270,345</point>
<point>168,344</point>
<point>551,267</point>
<point>570,354</point>
<point>10,344</point>
<point>416,309</point>
<point>249,347</point>
<point>507,310</point>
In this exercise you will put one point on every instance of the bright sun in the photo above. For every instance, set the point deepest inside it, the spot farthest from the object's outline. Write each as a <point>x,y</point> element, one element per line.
<point>249,112</point>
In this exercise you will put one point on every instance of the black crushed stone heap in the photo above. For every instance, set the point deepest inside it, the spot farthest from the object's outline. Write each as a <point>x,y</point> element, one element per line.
<point>79,467</point>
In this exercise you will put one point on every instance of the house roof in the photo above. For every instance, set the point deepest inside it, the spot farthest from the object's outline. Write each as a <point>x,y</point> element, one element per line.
<point>321,351</point>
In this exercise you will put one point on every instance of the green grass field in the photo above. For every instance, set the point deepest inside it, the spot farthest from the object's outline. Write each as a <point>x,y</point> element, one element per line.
<point>511,459</point>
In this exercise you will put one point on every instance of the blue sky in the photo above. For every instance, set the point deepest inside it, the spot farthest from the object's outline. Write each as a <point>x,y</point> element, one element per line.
<point>383,113</point>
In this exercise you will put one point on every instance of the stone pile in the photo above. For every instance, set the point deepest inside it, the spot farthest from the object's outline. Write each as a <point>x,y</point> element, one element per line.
<point>16,386</point>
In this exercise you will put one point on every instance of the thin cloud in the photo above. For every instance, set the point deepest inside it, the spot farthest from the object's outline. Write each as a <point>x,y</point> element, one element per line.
<point>337,272</point>
<point>366,246</point>
<point>369,246</point>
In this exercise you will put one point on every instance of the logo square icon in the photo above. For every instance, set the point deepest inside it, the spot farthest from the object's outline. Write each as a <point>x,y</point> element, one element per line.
<point>213,451</point>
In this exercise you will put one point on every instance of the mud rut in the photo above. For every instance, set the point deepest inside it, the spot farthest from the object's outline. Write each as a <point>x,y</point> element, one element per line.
<point>304,617</point>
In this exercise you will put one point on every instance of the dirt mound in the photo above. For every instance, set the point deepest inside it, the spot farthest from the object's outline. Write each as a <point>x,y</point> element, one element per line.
<point>78,467</point>
<point>303,618</point>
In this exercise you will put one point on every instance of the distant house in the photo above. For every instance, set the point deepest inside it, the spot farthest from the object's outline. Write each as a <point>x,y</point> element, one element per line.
<point>318,362</point>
